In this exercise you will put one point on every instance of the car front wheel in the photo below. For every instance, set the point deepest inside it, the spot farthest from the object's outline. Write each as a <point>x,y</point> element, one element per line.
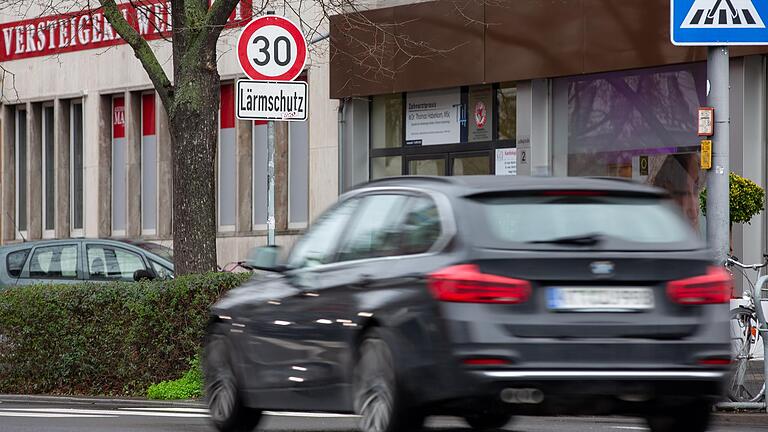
<point>377,396</point>
<point>225,405</point>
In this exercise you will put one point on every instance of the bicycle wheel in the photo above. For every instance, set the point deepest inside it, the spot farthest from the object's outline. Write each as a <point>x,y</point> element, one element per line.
<point>747,379</point>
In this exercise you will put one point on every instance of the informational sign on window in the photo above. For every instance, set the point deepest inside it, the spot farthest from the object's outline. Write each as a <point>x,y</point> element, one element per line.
<point>481,115</point>
<point>433,117</point>
<point>506,161</point>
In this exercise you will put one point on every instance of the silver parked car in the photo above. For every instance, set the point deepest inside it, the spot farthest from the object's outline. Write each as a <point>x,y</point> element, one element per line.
<point>77,260</point>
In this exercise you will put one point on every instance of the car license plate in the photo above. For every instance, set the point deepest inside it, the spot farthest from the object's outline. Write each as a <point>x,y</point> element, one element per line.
<point>603,299</point>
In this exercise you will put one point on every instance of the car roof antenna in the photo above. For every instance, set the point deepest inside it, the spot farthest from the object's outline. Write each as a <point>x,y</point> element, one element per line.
<point>15,227</point>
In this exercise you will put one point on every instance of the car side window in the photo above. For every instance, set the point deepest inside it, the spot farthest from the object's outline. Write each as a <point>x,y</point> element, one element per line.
<point>14,262</point>
<point>375,231</point>
<point>421,226</point>
<point>54,262</point>
<point>318,244</point>
<point>111,263</point>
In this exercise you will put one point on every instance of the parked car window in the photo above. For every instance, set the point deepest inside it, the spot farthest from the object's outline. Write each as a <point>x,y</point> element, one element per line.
<point>318,245</point>
<point>54,262</point>
<point>421,227</point>
<point>14,262</point>
<point>106,262</point>
<point>375,231</point>
<point>161,271</point>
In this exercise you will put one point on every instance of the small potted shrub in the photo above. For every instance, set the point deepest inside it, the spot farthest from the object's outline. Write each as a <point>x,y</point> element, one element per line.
<point>746,200</point>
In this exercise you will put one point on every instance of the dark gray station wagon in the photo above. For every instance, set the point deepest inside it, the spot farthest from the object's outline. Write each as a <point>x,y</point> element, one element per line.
<point>479,297</point>
<point>76,260</point>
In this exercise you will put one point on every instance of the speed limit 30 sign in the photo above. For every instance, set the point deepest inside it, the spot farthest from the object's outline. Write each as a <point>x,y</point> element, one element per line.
<point>271,49</point>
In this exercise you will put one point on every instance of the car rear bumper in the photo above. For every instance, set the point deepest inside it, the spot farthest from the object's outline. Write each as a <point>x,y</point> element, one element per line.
<point>581,375</point>
<point>583,392</point>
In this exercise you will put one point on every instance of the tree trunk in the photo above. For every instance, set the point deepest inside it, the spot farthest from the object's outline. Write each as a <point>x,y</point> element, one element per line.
<point>193,125</point>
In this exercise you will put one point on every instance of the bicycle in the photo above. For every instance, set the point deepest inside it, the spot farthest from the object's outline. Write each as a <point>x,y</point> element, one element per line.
<point>747,383</point>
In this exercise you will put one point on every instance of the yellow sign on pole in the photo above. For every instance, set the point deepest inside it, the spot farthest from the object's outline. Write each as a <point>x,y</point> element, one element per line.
<point>706,154</point>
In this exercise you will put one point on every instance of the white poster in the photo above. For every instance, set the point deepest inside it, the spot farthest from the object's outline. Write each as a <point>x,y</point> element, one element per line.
<point>506,161</point>
<point>433,117</point>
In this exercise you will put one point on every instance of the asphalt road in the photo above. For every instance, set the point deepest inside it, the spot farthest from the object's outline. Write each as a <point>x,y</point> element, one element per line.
<point>61,417</point>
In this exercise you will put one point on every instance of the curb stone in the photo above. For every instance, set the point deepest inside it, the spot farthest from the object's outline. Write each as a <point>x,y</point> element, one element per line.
<point>112,402</point>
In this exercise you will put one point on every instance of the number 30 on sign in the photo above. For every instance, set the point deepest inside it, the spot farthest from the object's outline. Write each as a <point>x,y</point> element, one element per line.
<point>272,48</point>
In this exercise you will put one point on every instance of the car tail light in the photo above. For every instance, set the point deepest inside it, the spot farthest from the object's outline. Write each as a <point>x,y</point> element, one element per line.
<point>467,284</point>
<point>485,361</point>
<point>715,361</point>
<point>713,287</point>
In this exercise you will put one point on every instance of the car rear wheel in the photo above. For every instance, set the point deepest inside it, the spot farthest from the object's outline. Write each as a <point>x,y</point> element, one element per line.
<point>692,418</point>
<point>487,421</point>
<point>378,398</point>
<point>227,411</point>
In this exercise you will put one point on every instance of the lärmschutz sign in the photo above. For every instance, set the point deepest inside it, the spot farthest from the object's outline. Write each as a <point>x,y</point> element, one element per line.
<point>272,100</point>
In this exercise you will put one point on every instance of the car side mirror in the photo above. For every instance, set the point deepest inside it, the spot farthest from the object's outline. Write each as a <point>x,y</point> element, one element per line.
<point>264,258</point>
<point>142,274</point>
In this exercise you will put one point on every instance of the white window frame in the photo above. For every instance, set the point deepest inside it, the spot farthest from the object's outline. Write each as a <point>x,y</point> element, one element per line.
<point>48,233</point>
<point>20,235</point>
<point>121,232</point>
<point>255,226</point>
<point>79,232</point>
<point>222,228</point>
<point>297,225</point>
<point>151,231</point>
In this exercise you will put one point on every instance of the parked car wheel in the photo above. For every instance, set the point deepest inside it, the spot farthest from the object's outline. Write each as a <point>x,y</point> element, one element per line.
<point>692,418</point>
<point>378,398</point>
<point>227,411</point>
<point>487,421</point>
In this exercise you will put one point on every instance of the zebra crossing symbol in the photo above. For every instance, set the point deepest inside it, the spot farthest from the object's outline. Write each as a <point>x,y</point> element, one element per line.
<point>722,14</point>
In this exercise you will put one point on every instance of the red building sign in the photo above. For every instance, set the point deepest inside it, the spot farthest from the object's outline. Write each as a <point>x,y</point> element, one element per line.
<point>89,29</point>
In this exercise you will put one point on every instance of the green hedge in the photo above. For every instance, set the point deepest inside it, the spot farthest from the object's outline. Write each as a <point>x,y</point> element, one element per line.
<point>104,339</point>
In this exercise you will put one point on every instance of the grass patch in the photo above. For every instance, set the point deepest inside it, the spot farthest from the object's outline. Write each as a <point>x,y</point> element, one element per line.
<point>189,386</point>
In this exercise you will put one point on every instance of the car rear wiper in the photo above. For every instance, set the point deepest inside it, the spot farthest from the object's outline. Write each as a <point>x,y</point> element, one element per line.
<point>581,240</point>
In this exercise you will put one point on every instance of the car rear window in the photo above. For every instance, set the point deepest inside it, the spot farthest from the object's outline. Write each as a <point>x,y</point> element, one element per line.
<point>583,221</point>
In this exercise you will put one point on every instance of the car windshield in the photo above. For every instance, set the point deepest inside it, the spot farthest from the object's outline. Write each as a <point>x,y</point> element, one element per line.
<point>162,251</point>
<point>585,222</point>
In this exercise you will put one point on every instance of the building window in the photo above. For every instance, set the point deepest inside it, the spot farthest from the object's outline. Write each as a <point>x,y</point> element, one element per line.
<point>387,121</point>
<point>22,179</point>
<point>76,167</point>
<point>49,173</point>
<point>119,171</point>
<point>260,175</point>
<point>148,165</point>
<point>227,157</point>
<point>506,97</point>
<point>457,131</point>
<point>635,124</point>
<point>386,166</point>
<point>298,174</point>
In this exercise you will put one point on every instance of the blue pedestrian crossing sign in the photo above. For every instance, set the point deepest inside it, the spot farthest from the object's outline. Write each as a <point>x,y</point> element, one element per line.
<point>719,22</point>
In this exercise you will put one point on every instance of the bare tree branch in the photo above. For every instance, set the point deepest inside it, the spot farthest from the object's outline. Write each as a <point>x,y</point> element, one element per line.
<point>142,51</point>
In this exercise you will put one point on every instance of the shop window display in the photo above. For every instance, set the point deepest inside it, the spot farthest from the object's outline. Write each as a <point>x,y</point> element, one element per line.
<point>636,124</point>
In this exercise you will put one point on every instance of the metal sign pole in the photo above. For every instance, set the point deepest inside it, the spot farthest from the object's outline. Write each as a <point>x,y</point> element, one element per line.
<point>271,183</point>
<point>718,204</point>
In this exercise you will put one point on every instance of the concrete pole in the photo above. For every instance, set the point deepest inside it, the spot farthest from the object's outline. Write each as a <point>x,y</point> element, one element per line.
<point>271,183</point>
<point>718,204</point>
